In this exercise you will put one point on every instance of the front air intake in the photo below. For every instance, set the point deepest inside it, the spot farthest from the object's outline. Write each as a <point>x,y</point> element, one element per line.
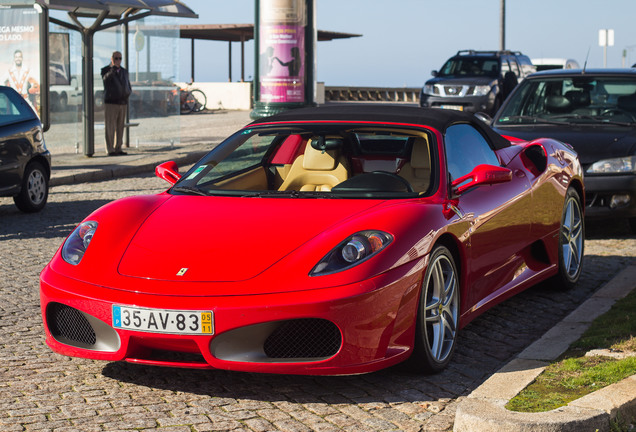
<point>303,338</point>
<point>69,324</point>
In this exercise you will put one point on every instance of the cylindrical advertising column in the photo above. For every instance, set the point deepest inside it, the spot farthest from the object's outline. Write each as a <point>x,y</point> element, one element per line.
<point>285,38</point>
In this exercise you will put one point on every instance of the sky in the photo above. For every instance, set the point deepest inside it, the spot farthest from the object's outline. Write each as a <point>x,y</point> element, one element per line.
<point>404,40</point>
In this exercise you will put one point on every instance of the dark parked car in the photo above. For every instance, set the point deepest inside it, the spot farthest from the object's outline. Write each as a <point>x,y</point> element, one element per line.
<point>595,112</point>
<point>25,163</point>
<point>475,81</point>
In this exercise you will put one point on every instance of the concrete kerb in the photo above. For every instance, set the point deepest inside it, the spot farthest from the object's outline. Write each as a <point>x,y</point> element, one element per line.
<point>72,169</point>
<point>484,409</point>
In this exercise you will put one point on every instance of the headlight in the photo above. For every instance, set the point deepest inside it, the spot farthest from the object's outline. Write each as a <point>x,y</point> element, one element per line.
<point>625,165</point>
<point>481,90</point>
<point>351,252</point>
<point>76,244</point>
<point>430,89</point>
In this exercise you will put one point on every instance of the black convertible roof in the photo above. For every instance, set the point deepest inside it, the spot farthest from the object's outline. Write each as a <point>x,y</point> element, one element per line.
<point>439,119</point>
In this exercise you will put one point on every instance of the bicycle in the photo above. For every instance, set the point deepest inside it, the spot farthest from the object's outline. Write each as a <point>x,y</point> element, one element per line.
<point>191,100</point>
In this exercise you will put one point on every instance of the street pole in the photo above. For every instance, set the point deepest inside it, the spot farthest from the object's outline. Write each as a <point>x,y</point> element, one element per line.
<point>502,26</point>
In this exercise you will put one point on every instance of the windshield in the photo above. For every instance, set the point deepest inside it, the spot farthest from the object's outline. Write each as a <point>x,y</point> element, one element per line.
<point>470,66</point>
<point>581,99</point>
<point>316,161</point>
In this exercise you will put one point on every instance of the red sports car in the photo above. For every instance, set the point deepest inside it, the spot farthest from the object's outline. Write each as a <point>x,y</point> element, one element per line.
<point>331,240</point>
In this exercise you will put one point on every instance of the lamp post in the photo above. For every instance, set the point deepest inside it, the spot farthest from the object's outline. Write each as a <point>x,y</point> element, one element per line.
<point>285,40</point>
<point>605,39</point>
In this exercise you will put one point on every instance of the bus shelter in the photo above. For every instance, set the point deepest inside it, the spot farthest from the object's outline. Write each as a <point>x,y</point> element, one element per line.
<point>27,23</point>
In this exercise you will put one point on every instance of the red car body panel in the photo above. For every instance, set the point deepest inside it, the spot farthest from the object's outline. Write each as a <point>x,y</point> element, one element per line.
<point>176,253</point>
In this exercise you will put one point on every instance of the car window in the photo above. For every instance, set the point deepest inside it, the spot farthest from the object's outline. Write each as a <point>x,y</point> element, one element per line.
<point>465,149</point>
<point>470,66</point>
<point>581,99</point>
<point>248,154</point>
<point>13,108</point>
<point>515,67</point>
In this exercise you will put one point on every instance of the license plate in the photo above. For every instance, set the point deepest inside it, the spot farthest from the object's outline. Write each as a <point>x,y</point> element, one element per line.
<point>163,320</point>
<point>453,107</point>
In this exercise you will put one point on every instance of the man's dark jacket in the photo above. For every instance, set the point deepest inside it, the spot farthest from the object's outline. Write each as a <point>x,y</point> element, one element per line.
<point>116,85</point>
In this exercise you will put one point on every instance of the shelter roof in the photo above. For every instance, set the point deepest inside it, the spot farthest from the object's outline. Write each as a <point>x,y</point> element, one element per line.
<point>242,32</point>
<point>118,8</point>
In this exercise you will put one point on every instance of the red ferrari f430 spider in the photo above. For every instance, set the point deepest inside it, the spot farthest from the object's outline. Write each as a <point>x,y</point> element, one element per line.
<point>331,240</point>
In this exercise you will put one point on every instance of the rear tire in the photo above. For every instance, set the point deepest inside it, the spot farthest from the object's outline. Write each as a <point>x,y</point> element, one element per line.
<point>35,189</point>
<point>571,242</point>
<point>437,315</point>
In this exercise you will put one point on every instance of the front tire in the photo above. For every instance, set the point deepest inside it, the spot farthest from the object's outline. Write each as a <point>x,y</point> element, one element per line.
<point>35,189</point>
<point>437,316</point>
<point>571,242</point>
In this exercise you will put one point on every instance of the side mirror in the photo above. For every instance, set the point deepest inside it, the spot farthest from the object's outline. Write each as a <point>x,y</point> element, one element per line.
<point>434,73</point>
<point>484,117</point>
<point>481,175</point>
<point>168,171</point>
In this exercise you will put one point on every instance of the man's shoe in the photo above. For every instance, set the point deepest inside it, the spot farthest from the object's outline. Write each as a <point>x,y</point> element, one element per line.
<point>112,154</point>
<point>121,153</point>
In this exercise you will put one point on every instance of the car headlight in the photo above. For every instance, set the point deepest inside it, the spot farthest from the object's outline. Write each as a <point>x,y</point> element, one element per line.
<point>625,164</point>
<point>76,244</point>
<point>351,252</point>
<point>481,90</point>
<point>430,89</point>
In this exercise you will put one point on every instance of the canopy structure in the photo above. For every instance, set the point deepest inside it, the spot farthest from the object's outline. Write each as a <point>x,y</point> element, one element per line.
<point>118,12</point>
<point>237,33</point>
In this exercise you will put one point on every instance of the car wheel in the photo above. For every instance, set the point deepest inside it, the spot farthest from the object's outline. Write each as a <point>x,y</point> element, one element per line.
<point>571,242</point>
<point>437,315</point>
<point>35,189</point>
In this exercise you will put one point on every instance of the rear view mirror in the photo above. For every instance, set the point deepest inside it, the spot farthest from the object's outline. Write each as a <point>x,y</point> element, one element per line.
<point>168,171</point>
<point>481,175</point>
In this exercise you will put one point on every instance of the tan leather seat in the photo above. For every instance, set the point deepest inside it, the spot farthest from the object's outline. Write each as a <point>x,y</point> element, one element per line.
<point>316,170</point>
<point>418,170</point>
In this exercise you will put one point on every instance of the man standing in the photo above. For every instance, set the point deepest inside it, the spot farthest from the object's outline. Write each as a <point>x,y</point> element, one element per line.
<point>116,92</point>
<point>20,78</point>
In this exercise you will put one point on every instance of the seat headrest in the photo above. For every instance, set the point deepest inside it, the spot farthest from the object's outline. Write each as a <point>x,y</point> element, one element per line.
<point>319,160</point>
<point>627,103</point>
<point>419,154</point>
<point>578,98</point>
<point>557,103</point>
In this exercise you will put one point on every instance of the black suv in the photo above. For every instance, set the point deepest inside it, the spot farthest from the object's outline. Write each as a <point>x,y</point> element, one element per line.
<point>476,81</point>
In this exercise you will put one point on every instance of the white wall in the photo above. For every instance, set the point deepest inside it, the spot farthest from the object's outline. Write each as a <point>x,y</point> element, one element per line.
<point>237,95</point>
<point>229,95</point>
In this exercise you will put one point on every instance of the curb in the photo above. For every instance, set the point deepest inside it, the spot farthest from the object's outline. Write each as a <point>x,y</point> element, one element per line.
<point>484,409</point>
<point>95,174</point>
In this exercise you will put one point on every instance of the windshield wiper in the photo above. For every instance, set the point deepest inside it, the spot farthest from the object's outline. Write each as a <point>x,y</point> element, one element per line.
<point>191,190</point>
<point>525,119</point>
<point>598,119</point>
<point>289,194</point>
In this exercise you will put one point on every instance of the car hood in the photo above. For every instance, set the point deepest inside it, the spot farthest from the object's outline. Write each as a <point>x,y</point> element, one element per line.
<point>223,239</point>
<point>592,143</point>
<point>476,80</point>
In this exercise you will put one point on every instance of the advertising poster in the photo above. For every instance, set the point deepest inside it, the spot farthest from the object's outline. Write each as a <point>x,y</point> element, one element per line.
<point>59,59</point>
<point>282,50</point>
<point>20,52</point>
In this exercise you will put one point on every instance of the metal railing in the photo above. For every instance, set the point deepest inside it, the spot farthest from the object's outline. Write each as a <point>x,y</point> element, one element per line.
<point>372,94</point>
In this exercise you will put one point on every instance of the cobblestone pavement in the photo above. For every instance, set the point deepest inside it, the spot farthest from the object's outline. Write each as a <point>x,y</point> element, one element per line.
<point>40,390</point>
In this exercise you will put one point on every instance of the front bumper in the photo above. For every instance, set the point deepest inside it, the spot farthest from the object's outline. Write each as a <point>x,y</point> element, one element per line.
<point>469,103</point>
<point>360,328</point>
<point>610,196</point>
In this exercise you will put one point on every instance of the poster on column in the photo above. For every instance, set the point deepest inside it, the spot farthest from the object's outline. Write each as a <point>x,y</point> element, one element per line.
<point>20,52</point>
<point>282,50</point>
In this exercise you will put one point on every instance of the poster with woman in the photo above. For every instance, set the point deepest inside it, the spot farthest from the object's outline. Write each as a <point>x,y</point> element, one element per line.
<point>20,48</point>
<point>282,42</point>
